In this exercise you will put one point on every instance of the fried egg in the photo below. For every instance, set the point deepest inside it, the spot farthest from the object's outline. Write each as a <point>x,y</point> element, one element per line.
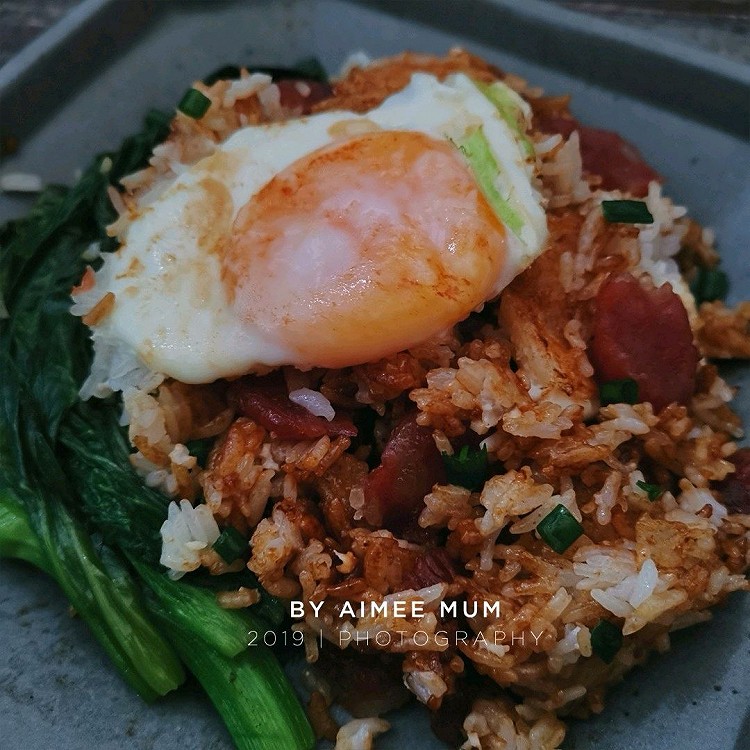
<point>328,240</point>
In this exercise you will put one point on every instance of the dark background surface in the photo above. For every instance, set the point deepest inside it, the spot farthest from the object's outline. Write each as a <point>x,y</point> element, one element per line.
<point>721,26</point>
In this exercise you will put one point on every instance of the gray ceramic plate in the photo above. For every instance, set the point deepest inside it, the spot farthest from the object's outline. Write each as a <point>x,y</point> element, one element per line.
<point>87,83</point>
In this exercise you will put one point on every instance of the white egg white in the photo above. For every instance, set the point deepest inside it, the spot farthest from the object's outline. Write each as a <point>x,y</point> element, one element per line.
<point>171,308</point>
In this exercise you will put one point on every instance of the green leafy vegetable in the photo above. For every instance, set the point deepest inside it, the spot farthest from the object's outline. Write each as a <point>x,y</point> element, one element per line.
<point>623,391</point>
<point>467,468</point>
<point>559,529</point>
<point>95,453</point>
<point>251,692</point>
<point>17,538</point>
<point>246,684</point>
<point>269,609</point>
<point>626,212</point>
<point>64,470</point>
<point>195,610</point>
<point>44,354</point>
<point>101,592</point>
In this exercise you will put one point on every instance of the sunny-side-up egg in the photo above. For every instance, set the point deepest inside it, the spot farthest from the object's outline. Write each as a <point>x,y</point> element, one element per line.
<point>329,240</point>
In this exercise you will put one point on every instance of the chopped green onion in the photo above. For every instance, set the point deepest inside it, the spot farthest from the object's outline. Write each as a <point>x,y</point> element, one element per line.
<point>606,640</point>
<point>623,391</point>
<point>626,212</point>
<point>653,491</point>
<point>709,285</point>
<point>467,468</point>
<point>194,104</point>
<point>559,529</point>
<point>230,544</point>
<point>200,449</point>
<point>509,106</point>
<point>476,148</point>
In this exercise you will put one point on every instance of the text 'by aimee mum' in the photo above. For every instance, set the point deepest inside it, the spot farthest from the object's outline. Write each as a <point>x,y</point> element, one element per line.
<point>404,608</point>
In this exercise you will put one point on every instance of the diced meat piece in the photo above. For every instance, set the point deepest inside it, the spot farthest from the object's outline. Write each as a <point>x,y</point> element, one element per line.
<point>409,467</point>
<point>644,334</point>
<point>266,401</point>
<point>735,489</point>
<point>302,94</point>
<point>433,567</point>
<point>607,154</point>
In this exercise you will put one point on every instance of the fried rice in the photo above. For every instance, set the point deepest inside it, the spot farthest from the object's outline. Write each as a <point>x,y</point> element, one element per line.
<point>517,379</point>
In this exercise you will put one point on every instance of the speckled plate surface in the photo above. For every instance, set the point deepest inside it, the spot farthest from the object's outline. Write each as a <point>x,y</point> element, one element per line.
<point>87,83</point>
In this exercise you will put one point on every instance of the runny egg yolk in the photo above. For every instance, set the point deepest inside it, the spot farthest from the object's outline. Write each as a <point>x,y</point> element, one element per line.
<point>363,248</point>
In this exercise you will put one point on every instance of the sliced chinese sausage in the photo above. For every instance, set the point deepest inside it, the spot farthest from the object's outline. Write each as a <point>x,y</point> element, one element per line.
<point>644,334</point>
<point>409,467</point>
<point>266,401</point>
<point>607,154</point>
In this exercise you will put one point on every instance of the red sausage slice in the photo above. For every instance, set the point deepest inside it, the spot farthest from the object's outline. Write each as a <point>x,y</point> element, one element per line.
<point>644,334</point>
<point>409,467</point>
<point>266,401</point>
<point>435,566</point>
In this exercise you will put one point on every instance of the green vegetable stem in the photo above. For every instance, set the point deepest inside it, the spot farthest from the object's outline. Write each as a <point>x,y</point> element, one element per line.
<point>627,212</point>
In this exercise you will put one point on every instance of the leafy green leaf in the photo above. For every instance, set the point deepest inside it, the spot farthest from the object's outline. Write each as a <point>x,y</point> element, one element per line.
<point>64,464</point>
<point>111,494</point>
